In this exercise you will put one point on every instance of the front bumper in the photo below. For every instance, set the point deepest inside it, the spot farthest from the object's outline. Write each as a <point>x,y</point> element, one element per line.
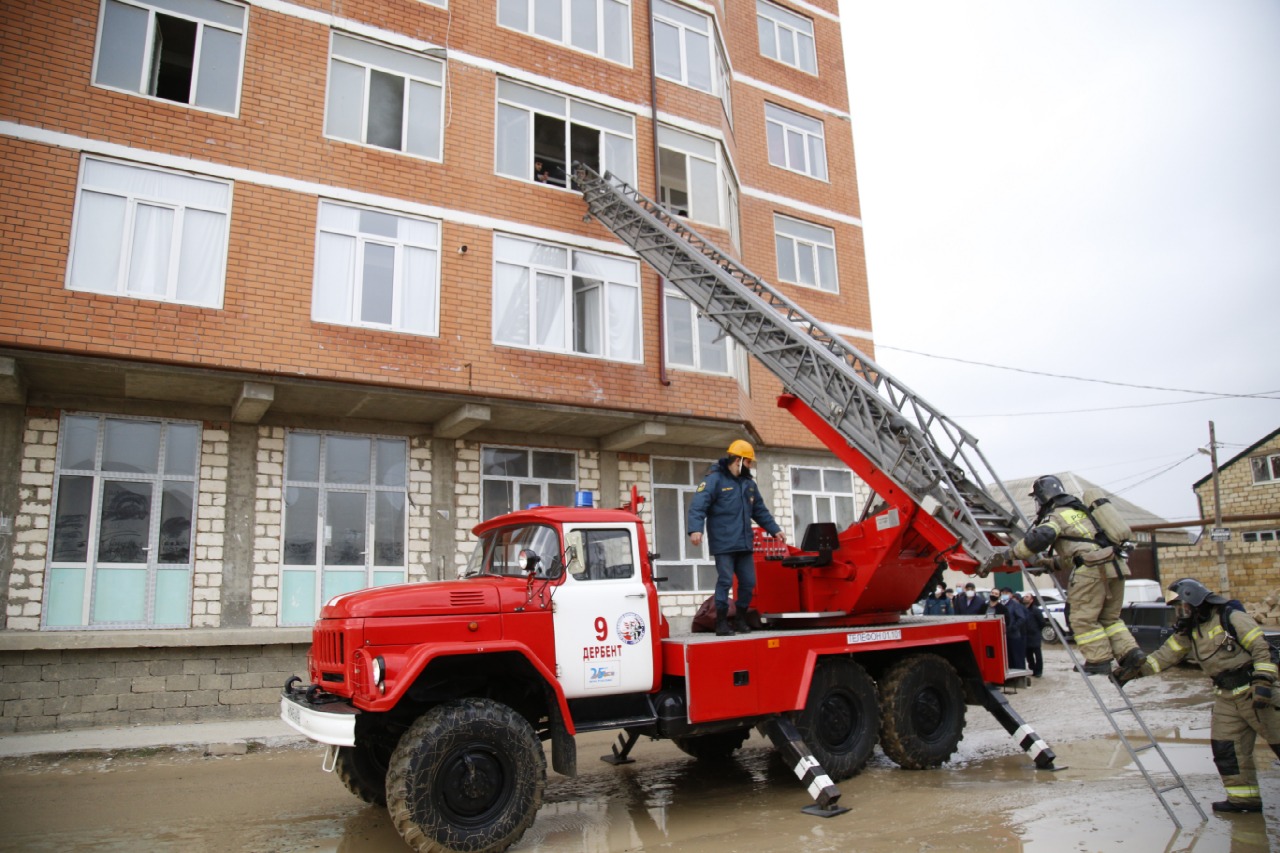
<point>333,723</point>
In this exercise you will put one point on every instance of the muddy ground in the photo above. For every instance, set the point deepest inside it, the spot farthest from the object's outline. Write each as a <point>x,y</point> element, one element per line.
<point>989,797</point>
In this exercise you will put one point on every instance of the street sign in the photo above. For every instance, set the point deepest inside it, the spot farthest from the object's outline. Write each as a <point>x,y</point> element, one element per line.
<point>1220,534</point>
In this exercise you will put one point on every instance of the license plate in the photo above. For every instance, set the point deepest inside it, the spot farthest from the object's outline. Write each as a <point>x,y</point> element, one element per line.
<point>294,712</point>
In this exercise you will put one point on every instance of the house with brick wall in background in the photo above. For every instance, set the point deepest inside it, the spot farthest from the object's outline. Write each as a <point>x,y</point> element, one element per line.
<point>1249,494</point>
<point>293,293</point>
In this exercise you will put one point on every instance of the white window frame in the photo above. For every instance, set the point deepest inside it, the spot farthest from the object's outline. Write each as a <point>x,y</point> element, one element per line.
<point>1272,535</point>
<point>787,28</point>
<point>617,150</point>
<point>347,310</point>
<point>691,570</point>
<point>685,21</point>
<point>521,486</point>
<point>825,497</point>
<point>520,16</point>
<point>370,57</point>
<point>1269,469</point>
<point>704,333</point>
<point>540,272</point>
<point>149,71</point>
<point>93,566</point>
<point>710,152</point>
<point>159,198</point>
<point>323,533</point>
<point>784,128</point>
<point>797,238</point>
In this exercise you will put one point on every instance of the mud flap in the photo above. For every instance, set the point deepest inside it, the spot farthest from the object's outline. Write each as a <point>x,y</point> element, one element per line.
<point>993,700</point>
<point>783,733</point>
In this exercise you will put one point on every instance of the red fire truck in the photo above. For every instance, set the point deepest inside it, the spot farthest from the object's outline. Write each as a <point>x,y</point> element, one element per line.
<point>436,698</point>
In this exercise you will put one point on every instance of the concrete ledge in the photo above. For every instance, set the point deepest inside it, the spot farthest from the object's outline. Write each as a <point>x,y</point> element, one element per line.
<point>27,641</point>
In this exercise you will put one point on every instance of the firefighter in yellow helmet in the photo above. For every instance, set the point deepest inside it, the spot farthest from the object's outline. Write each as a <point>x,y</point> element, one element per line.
<point>726,503</point>
<point>1233,651</point>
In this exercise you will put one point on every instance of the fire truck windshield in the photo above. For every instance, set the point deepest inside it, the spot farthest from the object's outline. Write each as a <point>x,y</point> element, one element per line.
<point>498,552</point>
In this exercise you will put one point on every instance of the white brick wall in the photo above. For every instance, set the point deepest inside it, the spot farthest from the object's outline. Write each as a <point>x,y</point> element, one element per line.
<point>211,519</point>
<point>269,528</point>
<point>31,524</point>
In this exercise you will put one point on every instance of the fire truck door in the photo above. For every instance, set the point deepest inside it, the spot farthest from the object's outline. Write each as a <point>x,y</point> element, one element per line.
<point>604,642</point>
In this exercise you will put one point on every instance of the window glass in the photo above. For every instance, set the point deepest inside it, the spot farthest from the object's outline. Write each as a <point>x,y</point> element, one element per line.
<point>371,81</point>
<point>344,518</point>
<point>535,142</point>
<point>599,27</point>
<point>806,253</point>
<point>786,36</point>
<point>132,222</point>
<point>515,478</point>
<point>376,269</point>
<point>538,302</point>
<point>192,57</point>
<point>125,501</point>
<point>823,495</point>
<point>688,569</point>
<point>796,141</point>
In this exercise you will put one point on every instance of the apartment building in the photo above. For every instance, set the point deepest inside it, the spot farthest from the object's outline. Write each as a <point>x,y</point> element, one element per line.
<point>293,293</point>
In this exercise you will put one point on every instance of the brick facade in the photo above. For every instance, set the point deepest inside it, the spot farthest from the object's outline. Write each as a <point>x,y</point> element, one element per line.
<point>1253,568</point>
<point>257,368</point>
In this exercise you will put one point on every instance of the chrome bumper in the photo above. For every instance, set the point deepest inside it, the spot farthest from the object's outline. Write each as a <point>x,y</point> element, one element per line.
<point>332,722</point>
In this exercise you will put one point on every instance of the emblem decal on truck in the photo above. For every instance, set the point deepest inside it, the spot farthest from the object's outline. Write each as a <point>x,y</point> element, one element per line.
<point>630,628</point>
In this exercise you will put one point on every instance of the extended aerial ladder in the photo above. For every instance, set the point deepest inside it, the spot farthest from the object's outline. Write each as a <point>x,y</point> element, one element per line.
<point>908,444</point>
<point>923,452</point>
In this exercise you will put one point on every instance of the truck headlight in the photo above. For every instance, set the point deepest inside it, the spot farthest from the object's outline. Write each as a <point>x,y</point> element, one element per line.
<point>378,673</point>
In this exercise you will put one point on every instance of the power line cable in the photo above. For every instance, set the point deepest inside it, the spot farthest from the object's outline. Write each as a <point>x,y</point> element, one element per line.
<point>1265,395</point>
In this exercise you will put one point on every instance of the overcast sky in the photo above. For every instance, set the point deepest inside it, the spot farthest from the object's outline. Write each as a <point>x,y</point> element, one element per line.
<point>1080,188</point>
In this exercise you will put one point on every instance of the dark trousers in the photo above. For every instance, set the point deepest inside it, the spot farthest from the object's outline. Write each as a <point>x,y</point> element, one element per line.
<point>1017,652</point>
<point>741,564</point>
<point>1035,660</point>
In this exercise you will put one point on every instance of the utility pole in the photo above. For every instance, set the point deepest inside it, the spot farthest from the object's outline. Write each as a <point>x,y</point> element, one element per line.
<point>1223,582</point>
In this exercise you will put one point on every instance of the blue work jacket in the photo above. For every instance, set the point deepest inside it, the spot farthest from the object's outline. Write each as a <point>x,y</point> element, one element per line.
<point>727,505</point>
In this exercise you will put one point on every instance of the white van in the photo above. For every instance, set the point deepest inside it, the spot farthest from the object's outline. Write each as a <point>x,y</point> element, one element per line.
<point>1142,591</point>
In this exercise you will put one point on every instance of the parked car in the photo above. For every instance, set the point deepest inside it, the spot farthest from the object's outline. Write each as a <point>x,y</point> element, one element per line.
<point>1151,623</point>
<point>1136,591</point>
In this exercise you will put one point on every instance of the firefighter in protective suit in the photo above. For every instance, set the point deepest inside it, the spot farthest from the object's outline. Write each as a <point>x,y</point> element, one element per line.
<point>1098,570</point>
<point>1231,649</point>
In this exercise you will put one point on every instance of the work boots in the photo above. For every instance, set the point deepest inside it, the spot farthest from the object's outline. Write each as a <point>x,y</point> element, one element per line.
<point>722,622</point>
<point>1132,659</point>
<point>740,622</point>
<point>1229,806</point>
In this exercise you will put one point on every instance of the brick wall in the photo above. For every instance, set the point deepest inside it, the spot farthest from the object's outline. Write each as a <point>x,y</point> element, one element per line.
<point>60,689</point>
<point>1253,567</point>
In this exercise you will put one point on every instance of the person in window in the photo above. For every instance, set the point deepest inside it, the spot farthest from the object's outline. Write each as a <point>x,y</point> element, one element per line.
<point>547,173</point>
<point>727,502</point>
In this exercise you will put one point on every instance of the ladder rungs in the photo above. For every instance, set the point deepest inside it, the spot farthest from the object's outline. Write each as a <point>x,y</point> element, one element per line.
<point>1145,746</point>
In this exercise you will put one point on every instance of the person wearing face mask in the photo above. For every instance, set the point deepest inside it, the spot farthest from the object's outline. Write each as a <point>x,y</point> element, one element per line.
<point>1015,626</point>
<point>727,501</point>
<point>937,603</point>
<point>969,603</point>
<point>1231,649</point>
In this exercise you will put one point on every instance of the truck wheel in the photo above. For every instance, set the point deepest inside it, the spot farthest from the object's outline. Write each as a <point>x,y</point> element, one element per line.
<point>713,747</point>
<point>922,710</point>
<point>364,772</point>
<point>467,775</point>
<point>840,718</point>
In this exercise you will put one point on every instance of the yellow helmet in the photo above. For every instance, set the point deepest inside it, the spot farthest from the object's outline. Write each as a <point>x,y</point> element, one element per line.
<point>743,449</point>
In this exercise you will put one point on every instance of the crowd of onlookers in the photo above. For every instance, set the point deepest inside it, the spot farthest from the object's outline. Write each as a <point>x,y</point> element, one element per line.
<point>1024,619</point>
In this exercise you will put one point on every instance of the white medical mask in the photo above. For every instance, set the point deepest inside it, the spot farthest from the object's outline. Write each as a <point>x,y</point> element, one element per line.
<point>1004,599</point>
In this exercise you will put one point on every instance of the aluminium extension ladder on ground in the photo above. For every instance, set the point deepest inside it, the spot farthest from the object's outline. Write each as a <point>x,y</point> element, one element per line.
<point>921,450</point>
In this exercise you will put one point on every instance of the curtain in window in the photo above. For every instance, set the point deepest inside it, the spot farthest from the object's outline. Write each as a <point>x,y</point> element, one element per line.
<point>510,304</point>
<point>151,250</point>
<point>200,267</point>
